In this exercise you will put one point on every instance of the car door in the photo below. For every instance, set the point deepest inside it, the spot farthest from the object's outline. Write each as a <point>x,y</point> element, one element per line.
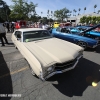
<point>17,39</point>
<point>56,33</point>
<point>66,35</point>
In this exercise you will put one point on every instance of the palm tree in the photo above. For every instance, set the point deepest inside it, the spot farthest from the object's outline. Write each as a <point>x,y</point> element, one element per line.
<point>95,7</point>
<point>48,13</point>
<point>79,10</point>
<point>75,12</point>
<point>41,14</point>
<point>51,13</point>
<point>84,10</point>
<point>98,11</point>
<point>4,8</point>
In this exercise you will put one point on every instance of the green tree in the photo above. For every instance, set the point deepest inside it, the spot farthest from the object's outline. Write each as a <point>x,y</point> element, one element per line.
<point>95,7</point>
<point>98,19</point>
<point>83,19</point>
<point>88,20</point>
<point>1,20</point>
<point>35,18</point>
<point>62,14</point>
<point>22,10</point>
<point>94,20</point>
<point>4,11</point>
<point>30,9</point>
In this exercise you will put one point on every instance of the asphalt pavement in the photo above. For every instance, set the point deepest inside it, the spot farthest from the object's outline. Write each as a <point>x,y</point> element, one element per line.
<point>17,82</point>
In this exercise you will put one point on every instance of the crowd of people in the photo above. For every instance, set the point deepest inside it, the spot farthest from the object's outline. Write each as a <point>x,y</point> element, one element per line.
<point>9,27</point>
<point>39,25</point>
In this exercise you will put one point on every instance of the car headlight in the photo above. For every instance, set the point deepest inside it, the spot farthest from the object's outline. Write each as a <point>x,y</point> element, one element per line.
<point>51,68</point>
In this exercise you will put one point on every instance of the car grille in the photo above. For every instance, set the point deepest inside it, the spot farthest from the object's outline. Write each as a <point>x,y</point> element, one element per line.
<point>62,66</point>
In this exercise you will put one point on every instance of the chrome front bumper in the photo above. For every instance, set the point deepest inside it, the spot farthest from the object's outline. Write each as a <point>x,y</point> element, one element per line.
<point>95,46</point>
<point>61,71</point>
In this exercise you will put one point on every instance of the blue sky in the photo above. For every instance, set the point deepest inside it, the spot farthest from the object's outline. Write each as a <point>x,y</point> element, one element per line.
<point>52,5</point>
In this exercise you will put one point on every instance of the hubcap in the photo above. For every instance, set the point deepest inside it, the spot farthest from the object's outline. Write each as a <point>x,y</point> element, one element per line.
<point>82,44</point>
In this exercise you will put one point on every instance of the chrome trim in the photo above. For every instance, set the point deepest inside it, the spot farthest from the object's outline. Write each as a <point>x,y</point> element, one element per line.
<point>95,46</point>
<point>62,71</point>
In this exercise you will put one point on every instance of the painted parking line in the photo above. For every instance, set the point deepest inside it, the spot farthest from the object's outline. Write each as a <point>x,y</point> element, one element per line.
<point>14,72</point>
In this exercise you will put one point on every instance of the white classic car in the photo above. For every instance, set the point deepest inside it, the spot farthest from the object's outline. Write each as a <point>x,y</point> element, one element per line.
<point>45,54</point>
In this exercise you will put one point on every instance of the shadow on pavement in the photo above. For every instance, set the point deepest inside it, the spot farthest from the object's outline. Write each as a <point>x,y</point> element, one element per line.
<point>9,45</point>
<point>97,49</point>
<point>5,80</point>
<point>75,82</point>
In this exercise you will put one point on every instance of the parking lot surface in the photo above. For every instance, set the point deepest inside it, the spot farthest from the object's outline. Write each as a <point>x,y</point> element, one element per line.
<point>17,82</point>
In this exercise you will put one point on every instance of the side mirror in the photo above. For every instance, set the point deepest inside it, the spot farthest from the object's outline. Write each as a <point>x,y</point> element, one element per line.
<point>18,39</point>
<point>18,36</point>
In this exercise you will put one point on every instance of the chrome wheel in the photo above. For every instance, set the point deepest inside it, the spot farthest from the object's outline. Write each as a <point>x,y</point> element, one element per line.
<point>82,44</point>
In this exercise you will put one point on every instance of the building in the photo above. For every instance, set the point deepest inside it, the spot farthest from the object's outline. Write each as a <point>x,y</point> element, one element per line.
<point>76,20</point>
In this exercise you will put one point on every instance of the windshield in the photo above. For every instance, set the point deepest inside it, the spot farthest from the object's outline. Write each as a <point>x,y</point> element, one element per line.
<point>74,30</point>
<point>35,35</point>
<point>82,29</point>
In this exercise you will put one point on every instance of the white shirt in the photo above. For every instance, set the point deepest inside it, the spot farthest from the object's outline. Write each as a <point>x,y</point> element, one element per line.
<point>2,29</point>
<point>43,26</point>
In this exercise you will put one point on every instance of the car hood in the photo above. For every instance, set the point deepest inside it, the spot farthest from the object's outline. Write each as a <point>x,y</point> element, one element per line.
<point>94,27</point>
<point>53,50</point>
<point>94,33</point>
<point>75,36</point>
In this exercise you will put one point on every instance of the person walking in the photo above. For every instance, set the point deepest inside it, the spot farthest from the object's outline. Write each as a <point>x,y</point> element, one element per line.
<point>12,27</point>
<point>3,35</point>
<point>7,26</point>
<point>43,26</point>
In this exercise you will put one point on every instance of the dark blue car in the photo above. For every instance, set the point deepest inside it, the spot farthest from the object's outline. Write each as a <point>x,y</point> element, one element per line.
<point>89,32</point>
<point>74,37</point>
